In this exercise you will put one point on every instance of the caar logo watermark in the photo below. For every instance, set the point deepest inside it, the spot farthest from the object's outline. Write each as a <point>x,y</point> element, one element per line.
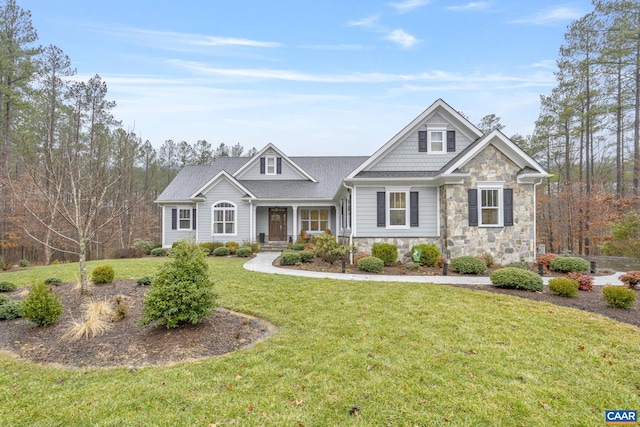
<point>621,418</point>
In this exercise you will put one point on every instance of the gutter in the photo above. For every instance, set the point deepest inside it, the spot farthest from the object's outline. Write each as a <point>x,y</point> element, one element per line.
<point>535,215</point>
<point>352,193</point>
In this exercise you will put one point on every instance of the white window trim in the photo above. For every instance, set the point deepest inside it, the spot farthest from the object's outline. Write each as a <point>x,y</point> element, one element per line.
<point>235,216</point>
<point>188,209</point>
<point>300,220</point>
<point>444,141</point>
<point>407,217</point>
<point>491,186</point>
<point>267,159</point>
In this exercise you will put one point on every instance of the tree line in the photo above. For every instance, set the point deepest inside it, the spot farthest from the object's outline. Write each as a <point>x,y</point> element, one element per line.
<point>74,184</point>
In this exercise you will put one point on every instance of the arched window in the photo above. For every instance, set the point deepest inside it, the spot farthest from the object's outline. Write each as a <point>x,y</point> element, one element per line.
<point>224,218</point>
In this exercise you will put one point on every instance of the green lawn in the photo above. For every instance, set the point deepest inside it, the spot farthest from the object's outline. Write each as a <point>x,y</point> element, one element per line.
<point>405,354</point>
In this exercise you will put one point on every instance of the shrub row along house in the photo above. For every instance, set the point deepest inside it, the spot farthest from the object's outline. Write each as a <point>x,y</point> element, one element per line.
<point>439,181</point>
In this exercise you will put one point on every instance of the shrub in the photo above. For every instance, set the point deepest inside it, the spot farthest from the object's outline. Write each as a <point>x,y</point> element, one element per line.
<point>546,260</point>
<point>566,264</point>
<point>298,246</point>
<point>221,251</point>
<point>146,246</point>
<point>244,251</point>
<point>158,252</point>
<point>255,246</point>
<point>23,263</point>
<point>182,291</point>
<point>121,309</point>
<point>625,237</point>
<point>232,246</point>
<point>42,306</point>
<point>585,282</point>
<point>441,261</point>
<point>306,256</point>
<point>412,266</point>
<point>211,246</point>
<point>429,255</point>
<point>619,296</point>
<point>517,278</point>
<point>53,281</point>
<point>359,256</point>
<point>102,274</point>
<point>7,287</point>
<point>489,260</point>
<point>327,248</point>
<point>10,310</point>
<point>387,252</point>
<point>630,279</point>
<point>4,299</point>
<point>290,258</point>
<point>521,265</point>
<point>468,265</point>
<point>371,264</point>
<point>564,286</point>
<point>144,281</point>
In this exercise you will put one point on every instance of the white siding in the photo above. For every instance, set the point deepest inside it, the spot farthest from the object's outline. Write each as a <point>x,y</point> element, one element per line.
<point>366,214</point>
<point>172,236</point>
<point>288,171</point>
<point>406,157</point>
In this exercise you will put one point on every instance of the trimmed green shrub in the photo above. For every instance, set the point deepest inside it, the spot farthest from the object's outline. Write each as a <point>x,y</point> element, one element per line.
<point>429,255</point>
<point>255,246</point>
<point>306,256</point>
<point>412,266</point>
<point>42,306</point>
<point>517,278</point>
<point>102,274</point>
<point>7,287</point>
<point>4,299</point>
<point>522,265</point>
<point>23,263</point>
<point>468,265</point>
<point>146,246</point>
<point>158,252</point>
<point>564,287</point>
<point>619,296</point>
<point>182,291</point>
<point>387,252</point>
<point>290,258</point>
<point>298,246</point>
<point>53,281</point>
<point>221,251</point>
<point>371,264</point>
<point>244,251</point>
<point>10,310</point>
<point>144,281</point>
<point>567,264</point>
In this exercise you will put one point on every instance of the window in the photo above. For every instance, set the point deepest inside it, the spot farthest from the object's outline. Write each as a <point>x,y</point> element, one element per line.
<point>437,141</point>
<point>492,205</point>
<point>489,207</point>
<point>314,219</point>
<point>398,212</point>
<point>224,218</point>
<point>271,165</point>
<point>184,219</point>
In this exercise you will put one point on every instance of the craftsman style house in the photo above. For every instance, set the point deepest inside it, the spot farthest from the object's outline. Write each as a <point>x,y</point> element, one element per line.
<point>439,180</point>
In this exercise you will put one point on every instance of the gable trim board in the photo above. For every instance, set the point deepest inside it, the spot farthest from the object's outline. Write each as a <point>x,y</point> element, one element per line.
<point>405,193</point>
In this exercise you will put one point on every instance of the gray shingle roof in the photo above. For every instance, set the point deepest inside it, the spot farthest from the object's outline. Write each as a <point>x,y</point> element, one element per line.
<point>328,171</point>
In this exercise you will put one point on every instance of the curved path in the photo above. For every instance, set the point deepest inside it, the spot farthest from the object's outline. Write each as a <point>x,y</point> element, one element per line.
<point>263,263</point>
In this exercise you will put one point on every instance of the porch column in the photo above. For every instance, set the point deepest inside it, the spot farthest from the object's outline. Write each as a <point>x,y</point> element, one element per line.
<point>294,208</point>
<point>337,232</point>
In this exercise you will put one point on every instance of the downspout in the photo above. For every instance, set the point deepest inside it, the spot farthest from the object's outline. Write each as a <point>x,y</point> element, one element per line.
<point>351,191</point>
<point>535,215</point>
<point>251,224</point>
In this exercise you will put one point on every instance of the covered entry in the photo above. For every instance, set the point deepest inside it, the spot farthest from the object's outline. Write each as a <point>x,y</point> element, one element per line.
<point>277,224</point>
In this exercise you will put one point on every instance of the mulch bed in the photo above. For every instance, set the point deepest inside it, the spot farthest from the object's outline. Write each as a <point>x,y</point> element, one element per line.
<point>127,343</point>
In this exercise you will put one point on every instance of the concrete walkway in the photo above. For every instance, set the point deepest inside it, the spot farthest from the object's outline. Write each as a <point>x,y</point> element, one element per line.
<point>263,263</point>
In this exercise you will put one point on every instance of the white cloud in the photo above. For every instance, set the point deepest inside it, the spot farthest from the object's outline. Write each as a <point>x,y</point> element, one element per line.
<point>473,6</point>
<point>403,39</point>
<point>408,5</point>
<point>339,47</point>
<point>368,21</point>
<point>230,41</point>
<point>551,16</point>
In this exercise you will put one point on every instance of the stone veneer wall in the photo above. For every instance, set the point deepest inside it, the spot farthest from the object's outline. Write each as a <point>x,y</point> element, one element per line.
<point>404,244</point>
<point>506,244</point>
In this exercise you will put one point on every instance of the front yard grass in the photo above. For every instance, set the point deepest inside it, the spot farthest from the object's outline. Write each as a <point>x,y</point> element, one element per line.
<point>402,353</point>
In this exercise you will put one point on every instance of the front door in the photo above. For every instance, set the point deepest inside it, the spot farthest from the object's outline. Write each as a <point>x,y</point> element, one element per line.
<point>277,224</point>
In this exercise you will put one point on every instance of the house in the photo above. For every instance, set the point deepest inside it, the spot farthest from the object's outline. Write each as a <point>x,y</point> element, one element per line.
<point>439,180</point>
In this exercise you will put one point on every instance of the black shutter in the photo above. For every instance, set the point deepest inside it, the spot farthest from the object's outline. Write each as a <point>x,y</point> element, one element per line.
<point>473,207</point>
<point>174,219</point>
<point>422,141</point>
<point>193,218</point>
<point>507,195</point>
<point>413,206</point>
<point>451,141</point>
<point>262,165</point>
<point>279,165</point>
<point>381,209</point>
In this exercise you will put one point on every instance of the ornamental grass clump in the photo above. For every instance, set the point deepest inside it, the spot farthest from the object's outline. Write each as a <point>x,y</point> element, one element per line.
<point>516,278</point>
<point>182,291</point>
<point>619,296</point>
<point>564,287</point>
<point>567,264</point>
<point>42,306</point>
<point>468,265</point>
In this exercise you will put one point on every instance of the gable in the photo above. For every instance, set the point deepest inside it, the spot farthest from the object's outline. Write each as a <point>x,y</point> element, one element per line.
<point>223,189</point>
<point>272,164</point>
<point>215,182</point>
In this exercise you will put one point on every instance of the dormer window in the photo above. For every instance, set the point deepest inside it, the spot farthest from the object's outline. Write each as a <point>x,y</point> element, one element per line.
<point>271,165</point>
<point>437,141</point>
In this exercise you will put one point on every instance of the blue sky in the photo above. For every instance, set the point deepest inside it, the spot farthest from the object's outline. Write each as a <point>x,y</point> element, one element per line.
<point>337,77</point>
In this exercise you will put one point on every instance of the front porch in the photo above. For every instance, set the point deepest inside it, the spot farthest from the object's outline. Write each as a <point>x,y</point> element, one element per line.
<point>276,226</point>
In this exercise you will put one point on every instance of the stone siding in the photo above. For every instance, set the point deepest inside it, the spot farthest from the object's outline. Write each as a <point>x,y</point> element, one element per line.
<point>404,244</point>
<point>506,244</point>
